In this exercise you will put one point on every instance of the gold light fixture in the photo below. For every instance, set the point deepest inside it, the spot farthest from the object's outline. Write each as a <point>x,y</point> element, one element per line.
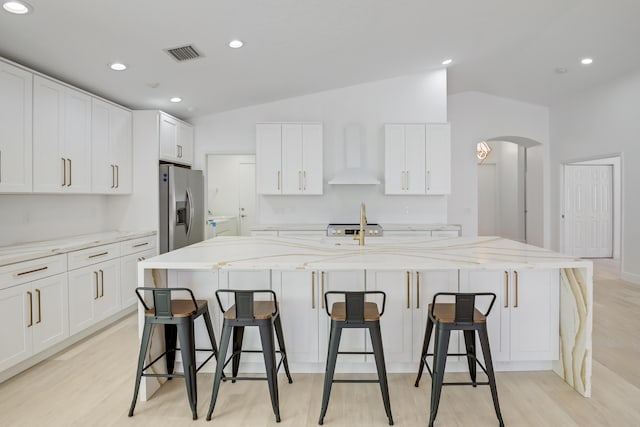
<point>482,150</point>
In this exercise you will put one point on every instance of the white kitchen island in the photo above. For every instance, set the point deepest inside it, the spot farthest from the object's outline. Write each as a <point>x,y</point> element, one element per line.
<point>542,318</point>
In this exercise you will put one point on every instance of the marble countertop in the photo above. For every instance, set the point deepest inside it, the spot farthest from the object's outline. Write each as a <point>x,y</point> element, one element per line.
<point>323,227</point>
<point>32,250</point>
<point>380,253</point>
<point>420,227</point>
<point>293,227</point>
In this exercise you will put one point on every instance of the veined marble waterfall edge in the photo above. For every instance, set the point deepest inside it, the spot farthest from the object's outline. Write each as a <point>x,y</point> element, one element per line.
<point>576,324</point>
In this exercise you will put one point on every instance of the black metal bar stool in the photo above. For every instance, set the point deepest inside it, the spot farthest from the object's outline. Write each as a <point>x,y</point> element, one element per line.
<point>354,312</point>
<point>460,316</point>
<point>248,312</point>
<point>178,317</point>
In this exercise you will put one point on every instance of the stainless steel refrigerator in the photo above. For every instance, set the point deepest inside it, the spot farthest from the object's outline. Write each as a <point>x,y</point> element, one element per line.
<point>181,207</point>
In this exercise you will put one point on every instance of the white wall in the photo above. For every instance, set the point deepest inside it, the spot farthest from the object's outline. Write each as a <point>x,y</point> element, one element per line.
<point>601,123</point>
<point>476,116</point>
<point>33,217</point>
<point>415,98</point>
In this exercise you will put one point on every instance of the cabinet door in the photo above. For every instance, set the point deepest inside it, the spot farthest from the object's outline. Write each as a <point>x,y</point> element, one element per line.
<point>394,170</point>
<point>415,160</point>
<point>312,159</point>
<point>50,311</point>
<point>168,138</point>
<point>121,147</point>
<point>535,327</point>
<point>109,301</point>
<point>396,323</point>
<point>292,159</point>
<point>427,284</point>
<point>438,158</point>
<point>269,158</point>
<point>16,141</point>
<point>77,141</point>
<point>17,319</point>
<point>84,291</point>
<point>352,339</point>
<point>49,162</point>
<point>103,170</point>
<point>185,143</point>
<point>129,277</point>
<point>298,298</point>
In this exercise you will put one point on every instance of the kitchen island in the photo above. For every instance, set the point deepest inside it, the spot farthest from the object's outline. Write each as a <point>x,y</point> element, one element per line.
<point>542,319</point>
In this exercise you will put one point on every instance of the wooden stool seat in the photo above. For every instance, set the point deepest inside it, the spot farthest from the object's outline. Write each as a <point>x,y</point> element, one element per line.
<point>181,308</point>
<point>339,312</point>
<point>261,310</point>
<point>446,313</point>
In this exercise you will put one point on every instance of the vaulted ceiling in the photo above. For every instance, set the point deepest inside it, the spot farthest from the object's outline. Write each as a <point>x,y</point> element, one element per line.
<point>295,47</point>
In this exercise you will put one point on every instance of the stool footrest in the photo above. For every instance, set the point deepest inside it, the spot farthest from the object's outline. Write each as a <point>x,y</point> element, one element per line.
<point>467,383</point>
<point>163,375</point>
<point>355,352</point>
<point>356,381</point>
<point>244,378</point>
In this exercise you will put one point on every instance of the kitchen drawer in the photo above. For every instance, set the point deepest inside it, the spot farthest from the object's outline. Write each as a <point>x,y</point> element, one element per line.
<point>137,245</point>
<point>27,271</point>
<point>93,255</point>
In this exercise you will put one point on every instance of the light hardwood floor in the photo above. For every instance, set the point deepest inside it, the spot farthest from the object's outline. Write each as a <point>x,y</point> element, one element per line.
<point>90,384</point>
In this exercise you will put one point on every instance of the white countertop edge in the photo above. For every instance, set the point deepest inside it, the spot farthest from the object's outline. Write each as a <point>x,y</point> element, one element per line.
<point>20,252</point>
<point>323,227</point>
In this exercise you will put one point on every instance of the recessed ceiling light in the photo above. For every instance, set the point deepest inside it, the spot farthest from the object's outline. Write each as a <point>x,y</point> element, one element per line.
<point>176,99</point>
<point>447,61</point>
<point>235,44</point>
<point>117,66</point>
<point>586,61</point>
<point>17,7</point>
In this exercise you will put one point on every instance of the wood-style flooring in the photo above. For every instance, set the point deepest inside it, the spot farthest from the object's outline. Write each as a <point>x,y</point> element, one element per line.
<point>91,384</point>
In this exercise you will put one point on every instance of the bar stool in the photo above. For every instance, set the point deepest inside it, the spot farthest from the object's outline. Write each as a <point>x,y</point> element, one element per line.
<point>178,317</point>
<point>460,316</point>
<point>248,312</point>
<point>354,312</point>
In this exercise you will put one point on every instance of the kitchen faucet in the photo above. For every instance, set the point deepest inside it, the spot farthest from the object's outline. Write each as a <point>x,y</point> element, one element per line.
<point>363,221</point>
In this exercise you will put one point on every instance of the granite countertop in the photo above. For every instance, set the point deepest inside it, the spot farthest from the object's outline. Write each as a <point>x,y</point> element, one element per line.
<point>380,253</point>
<point>32,250</point>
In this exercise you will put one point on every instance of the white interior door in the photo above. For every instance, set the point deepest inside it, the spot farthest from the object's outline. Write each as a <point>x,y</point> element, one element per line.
<point>246,197</point>
<point>588,213</point>
<point>487,200</point>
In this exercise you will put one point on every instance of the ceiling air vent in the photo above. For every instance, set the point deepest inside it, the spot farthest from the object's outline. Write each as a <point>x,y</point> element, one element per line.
<point>183,53</point>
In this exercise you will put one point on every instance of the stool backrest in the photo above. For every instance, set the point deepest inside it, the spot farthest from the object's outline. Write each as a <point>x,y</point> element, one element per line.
<point>162,299</point>
<point>244,301</point>
<point>465,304</point>
<point>354,304</point>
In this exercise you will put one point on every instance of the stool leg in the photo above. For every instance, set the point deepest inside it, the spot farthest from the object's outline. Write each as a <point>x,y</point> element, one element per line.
<point>486,352</point>
<point>238,334</point>
<point>170,335</point>
<point>439,363</point>
<point>268,350</point>
<point>144,344</point>
<point>470,344</point>
<point>187,349</point>
<point>425,349</point>
<point>212,337</point>
<point>224,345</point>
<point>332,355</point>
<point>376,342</point>
<point>283,352</point>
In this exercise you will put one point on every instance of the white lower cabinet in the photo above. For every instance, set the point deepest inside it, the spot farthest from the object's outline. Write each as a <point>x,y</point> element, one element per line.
<point>524,321</point>
<point>94,294</point>
<point>34,317</point>
<point>129,276</point>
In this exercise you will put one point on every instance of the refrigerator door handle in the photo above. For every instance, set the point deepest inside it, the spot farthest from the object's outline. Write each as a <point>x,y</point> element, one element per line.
<point>191,211</point>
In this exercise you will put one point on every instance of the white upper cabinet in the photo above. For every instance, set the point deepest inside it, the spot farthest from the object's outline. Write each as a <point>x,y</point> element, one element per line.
<point>417,158</point>
<point>61,138</point>
<point>111,148</point>
<point>176,140</point>
<point>289,158</point>
<point>15,129</point>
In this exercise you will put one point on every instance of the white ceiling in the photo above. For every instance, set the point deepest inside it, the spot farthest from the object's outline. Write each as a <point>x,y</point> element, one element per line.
<point>295,47</point>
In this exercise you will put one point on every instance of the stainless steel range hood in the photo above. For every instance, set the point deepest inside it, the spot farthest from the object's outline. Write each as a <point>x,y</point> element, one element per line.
<point>353,173</point>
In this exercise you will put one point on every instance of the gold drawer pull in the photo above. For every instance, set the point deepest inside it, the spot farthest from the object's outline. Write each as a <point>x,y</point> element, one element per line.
<point>516,305</point>
<point>32,271</point>
<point>30,309</point>
<point>417,289</point>
<point>140,244</point>
<point>313,289</point>
<point>97,255</point>
<point>97,295</point>
<point>506,289</point>
<point>39,308</point>
<point>408,289</point>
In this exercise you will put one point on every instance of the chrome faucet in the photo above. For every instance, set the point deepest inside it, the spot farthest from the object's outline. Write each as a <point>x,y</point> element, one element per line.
<point>363,221</point>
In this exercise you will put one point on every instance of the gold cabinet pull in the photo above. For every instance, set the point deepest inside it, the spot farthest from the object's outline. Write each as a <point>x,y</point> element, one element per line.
<point>113,176</point>
<point>313,289</point>
<point>95,273</point>
<point>30,309</point>
<point>32,271</point>
<point>299,180</point>
<point>506,289</point>
<point>140,244</point>
<point>322,288</point>
<point>117,176</point>
<point>64,171</point>
<point>70,173</point>
<point>278,180</point>
<point>304,180</point>
<point>516,304</point>
<point>39,307</point>
<point>101,283</point>
<point>408,289</point>
<point>417,289</point>
<point>97,255</point>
